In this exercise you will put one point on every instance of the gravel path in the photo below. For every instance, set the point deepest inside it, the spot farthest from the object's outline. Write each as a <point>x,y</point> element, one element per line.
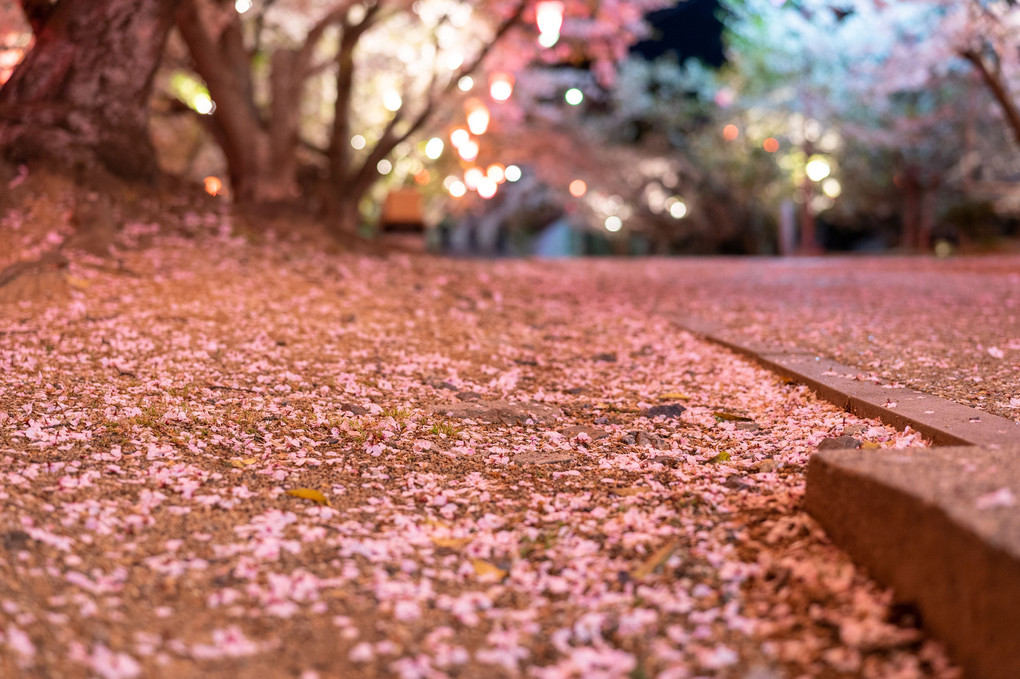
<point>260,460</point>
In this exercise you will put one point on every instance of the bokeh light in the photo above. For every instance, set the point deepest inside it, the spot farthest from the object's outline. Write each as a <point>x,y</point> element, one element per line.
<point>730,132</point>
<point>242,6</point>
<point>213,186</point>
<point>434,148</point>
<point>477,117</point>
<point>677,208</point>
<point>487,188</point>
<point>512,173</point>
<point>496,173</point>
<point>501,86</point>
<point>549,18</point>
<point>468,151</point>
<point>578,188</point>
<point>472,176</point>
<point>466,83</point>
<point>771,145</point>
<point>574,96</point>
<point>817,169</point>
<point>459,136</point>
<point>392,101</point>
<point>457,188</point>
<point>613,223</point>
<point>832,188</point>
<point>203,104</point>
<point>358,142</point>
<point>384,166</point>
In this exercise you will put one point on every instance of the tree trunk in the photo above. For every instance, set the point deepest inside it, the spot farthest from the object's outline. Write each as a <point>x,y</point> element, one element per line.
<point>911,209</point>
<point>80,98</point>
<point>261,149</point>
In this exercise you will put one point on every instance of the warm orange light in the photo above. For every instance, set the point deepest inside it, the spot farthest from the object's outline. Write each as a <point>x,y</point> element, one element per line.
<point>771,145</point>
<point>730,132</point>
<point>496,173</point>
<point>578,188</point>
<point>213,186</point>
<point>477,117</point>
<point>501,85</point>
<point>472,176</point>
<point>468,151</point>
<point>458,136</point>
<point>422,178</point>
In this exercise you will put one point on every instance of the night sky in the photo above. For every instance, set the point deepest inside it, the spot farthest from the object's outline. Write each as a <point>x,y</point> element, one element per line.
<point>690,29</point>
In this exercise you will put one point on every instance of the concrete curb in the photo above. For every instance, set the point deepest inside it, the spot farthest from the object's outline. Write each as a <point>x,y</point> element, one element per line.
<point>943,422</point>
<point>941,526</point>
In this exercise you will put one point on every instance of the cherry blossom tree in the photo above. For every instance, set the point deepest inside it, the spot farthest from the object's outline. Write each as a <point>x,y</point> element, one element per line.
<point>338,89</point>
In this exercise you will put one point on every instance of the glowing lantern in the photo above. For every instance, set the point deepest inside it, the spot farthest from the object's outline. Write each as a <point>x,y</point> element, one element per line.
<point>477,117</point>
<point>549,17</point>
<point>213,186</point>
<point>459,136</point>
<point>468,150</point>
<point>501,85</point>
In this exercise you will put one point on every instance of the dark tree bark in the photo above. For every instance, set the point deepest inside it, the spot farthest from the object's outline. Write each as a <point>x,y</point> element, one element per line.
<point>80,97</point>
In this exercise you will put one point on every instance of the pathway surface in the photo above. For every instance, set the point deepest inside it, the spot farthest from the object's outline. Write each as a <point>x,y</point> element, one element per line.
<point>947,327</point>
<point>252,458</point>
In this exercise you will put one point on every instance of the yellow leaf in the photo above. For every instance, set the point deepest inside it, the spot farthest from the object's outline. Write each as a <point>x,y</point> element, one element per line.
<point>721,457</point>
<point>242,463</point>
<point>655,561</point>
<point>870,445</point>
<point>77,283</point>
<point>485,569</point>
<point>674,396</point>
<point>628,491</point>
<point>451,543</point>
<point>309,494</point>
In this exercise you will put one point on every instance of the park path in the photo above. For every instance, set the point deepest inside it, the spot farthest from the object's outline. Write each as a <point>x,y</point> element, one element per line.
<point>949,327</point>
<point>253,458</point>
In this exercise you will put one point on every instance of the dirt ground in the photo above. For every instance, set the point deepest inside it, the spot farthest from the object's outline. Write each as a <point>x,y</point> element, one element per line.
<point>226,453</point>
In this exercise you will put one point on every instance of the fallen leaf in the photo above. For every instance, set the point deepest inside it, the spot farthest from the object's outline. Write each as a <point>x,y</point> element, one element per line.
<point>485,569</point>
<point>309,494</point>
<point>628,491</point>
<point>674,396</point>
<point>77,283</point>
<point>655,561</point>
<point>451,543</point>
<point>721,457</point>
<point>870,445</point>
